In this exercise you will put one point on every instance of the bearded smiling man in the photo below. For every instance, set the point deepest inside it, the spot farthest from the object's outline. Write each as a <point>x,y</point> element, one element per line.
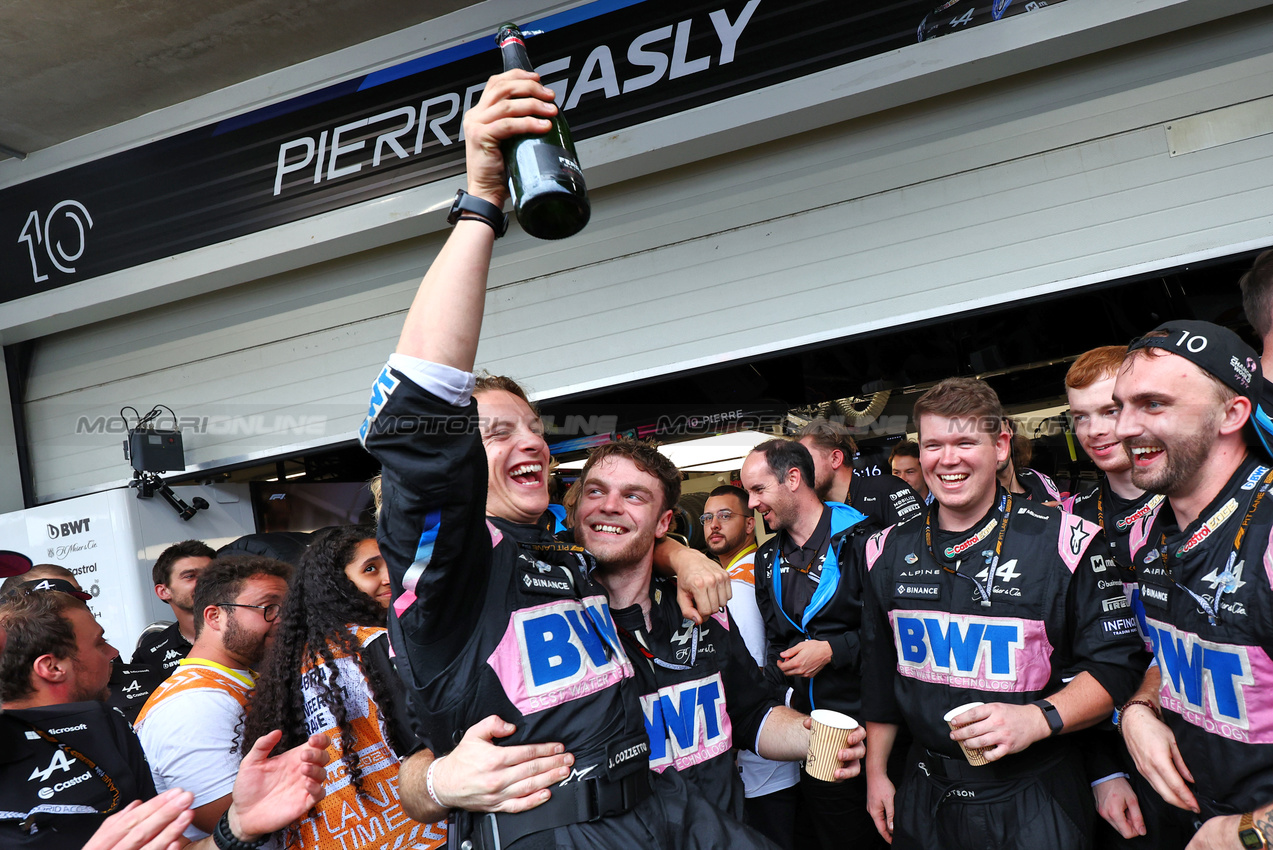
<point>1201,717</point>
<point>189,726</point>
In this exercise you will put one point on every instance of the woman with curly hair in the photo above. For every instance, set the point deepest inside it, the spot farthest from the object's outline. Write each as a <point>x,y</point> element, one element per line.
<point>329,671</point>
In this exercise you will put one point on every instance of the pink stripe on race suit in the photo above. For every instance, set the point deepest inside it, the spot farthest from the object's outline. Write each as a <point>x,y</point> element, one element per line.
<point>1220,687</point>
<point>557,652</point>
<point>1268,559</point>
<point>1076,535</point>
<point>408,598</point>
<point>404,601</point>
<point>969,651</point>
<point>875,546</point>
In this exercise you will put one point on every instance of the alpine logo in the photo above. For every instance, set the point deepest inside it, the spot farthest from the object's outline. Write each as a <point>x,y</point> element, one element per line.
<point>1215,521</point>
<point>960,548</point>
<point>135,686</point>
<point>60,762</point>
<point>1228,581</point>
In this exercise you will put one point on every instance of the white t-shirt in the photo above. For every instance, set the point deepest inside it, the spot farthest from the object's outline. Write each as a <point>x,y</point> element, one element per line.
<point>190,734</point>
<point>760,775</point>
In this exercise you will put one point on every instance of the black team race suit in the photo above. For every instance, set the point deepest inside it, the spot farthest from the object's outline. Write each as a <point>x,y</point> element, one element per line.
<point>1208,597</point>
<point>814,592</point>
<point>1006,611</point>
<point>1128,525</point>
<point>883,499</point>
<point>495,617</point>
<point>702,694</point>
<point>156,656</point>
<point>63,769</point>
<point>1039,487</point>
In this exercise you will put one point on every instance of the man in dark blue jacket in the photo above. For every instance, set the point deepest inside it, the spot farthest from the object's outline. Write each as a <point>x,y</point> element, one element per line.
<point>812,608</point>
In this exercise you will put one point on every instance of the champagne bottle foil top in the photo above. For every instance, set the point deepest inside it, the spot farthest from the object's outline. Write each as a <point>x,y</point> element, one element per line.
<point>509,33</point>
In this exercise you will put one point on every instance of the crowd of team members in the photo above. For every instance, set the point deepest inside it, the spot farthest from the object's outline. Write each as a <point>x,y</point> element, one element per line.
<point>1031,668</point>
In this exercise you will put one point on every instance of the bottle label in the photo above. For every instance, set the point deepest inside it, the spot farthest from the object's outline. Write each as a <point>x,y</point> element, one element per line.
<point>555,160</point>
<point>512,39</point>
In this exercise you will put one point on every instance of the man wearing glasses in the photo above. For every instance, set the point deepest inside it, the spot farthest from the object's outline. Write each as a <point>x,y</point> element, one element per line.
<point>730,531</point>
<point>188,727</point>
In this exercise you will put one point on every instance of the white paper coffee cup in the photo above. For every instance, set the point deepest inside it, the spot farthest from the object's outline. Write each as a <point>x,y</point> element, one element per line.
<point>830,732</point>
<point>973,754</point>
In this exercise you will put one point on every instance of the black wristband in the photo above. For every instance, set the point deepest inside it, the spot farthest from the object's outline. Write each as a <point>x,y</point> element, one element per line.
<point>1051,715</point>
<point>468,207</point>
<point>225,840</point>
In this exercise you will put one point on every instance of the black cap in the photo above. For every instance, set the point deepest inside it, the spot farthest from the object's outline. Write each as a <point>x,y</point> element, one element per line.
<point>59,584</point>
<point>1216,350</point>
<point>13,563</point>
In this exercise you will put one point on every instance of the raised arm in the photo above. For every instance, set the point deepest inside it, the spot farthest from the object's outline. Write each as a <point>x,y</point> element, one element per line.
<point>443,323</point>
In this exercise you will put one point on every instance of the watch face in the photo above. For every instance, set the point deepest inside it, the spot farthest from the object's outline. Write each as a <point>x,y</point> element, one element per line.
<point>1251,839</point>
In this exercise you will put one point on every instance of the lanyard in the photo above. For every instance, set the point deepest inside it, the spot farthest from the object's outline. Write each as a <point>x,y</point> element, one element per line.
<point>992,559</point>
<point>1111,534</point>
<point>1226,581</point>
<point>29,824</point>
<point>233,674</point>
<point>751,547</point>
<point>829,572</point>
<point>666,665</point>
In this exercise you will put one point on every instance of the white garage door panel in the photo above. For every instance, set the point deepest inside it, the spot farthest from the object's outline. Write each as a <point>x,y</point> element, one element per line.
<point>1110,204</point>
<point>281,307</point>
<point>1047,110</point>
<point>1030,185</point>
<point>311,395</point>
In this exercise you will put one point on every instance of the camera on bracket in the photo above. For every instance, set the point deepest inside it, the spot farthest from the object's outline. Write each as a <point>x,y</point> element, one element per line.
<point>151,451</point>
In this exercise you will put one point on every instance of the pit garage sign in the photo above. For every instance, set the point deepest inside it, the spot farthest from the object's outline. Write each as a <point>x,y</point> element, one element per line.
<point>612,63</point>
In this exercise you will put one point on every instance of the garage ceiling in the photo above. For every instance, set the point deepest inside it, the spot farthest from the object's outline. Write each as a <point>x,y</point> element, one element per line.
<point>69,67</point>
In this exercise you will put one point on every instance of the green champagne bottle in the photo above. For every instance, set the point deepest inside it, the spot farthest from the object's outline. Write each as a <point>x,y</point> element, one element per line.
<point>544,177</point>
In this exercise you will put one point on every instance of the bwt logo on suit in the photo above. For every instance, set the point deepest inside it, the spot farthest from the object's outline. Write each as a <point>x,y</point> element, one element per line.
<point>66,529</point>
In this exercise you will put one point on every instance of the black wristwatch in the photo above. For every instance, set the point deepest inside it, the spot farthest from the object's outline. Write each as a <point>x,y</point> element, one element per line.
<point>225,840</point>
<point>1251,836</point>
<point>1051,715</point>
<point>469,206</point>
